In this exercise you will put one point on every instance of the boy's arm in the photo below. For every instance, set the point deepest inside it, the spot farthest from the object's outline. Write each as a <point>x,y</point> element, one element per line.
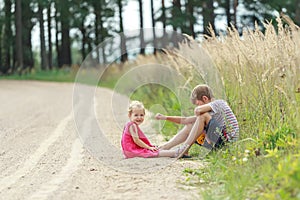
<point>202,109</point>
<point>176,119</point>
<point>189,120</point>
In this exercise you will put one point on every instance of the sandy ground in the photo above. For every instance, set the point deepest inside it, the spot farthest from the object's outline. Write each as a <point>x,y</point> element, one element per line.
<point>52,149</point>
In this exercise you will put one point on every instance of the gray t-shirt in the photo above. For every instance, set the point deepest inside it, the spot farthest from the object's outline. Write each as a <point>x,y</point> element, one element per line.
<point>223,114</point>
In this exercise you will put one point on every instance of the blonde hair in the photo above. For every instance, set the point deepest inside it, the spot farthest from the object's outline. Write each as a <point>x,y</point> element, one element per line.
<point>135,104</point>
<point>199,91</point>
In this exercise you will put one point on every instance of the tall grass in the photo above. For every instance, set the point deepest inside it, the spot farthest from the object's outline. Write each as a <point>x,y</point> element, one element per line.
<point>260,72</point>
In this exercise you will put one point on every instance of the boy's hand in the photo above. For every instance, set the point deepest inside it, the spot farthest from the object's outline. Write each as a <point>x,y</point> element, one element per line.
<point>197,111</point>
<point>159,116</point>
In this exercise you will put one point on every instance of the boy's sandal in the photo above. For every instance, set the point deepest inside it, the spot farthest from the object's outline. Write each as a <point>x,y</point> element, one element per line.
<point>180,151</point>
<point>186,156</point>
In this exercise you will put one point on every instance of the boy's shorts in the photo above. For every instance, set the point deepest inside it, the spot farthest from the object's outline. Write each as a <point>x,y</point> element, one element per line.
<point>215,133</point>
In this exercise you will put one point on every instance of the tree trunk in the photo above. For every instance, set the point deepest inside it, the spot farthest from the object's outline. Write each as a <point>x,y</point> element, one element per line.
<point>177,15</point>
<point>2,68</point>
<point>297,13</point>
<point>227,11</point>
<point>49,19</point>
<point>27,26</point>
<point>65,53</point>
<point>190,9</point>
<point>164,22</point>
<point>153,27</point>
<point>235,5</point>
<point>99,30</point>
<point>44,60</point>
<point>83,40</point>
<point>57,33</point>
<point>7,38</point>
<point>208,16</point>
<point>163,15</point>
<point>231,17</point>
<point>142,39</point>
<point>124,55</point>
<point>19,44</point>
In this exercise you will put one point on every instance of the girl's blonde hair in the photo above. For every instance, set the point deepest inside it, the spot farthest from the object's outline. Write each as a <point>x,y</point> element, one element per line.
<point>199,91</point>
<point>135,104</point>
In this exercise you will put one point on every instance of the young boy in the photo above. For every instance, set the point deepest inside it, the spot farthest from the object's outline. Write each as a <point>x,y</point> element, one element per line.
<point>213,120</point>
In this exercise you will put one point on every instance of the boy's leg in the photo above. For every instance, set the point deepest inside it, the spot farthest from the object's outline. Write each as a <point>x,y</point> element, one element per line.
<point>214,133</point>
<point>178,138</point>
<point>197,128</point>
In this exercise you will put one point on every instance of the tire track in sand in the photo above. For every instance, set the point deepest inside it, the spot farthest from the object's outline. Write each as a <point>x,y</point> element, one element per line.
<point>31,162</point>
<point>76,158</point>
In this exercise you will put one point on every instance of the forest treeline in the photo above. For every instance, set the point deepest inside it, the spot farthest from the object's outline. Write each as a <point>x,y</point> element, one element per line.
<point>63,23</point>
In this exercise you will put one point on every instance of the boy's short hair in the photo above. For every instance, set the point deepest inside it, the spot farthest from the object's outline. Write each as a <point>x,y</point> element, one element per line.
<point>135,104</point>
<point>199,91</point>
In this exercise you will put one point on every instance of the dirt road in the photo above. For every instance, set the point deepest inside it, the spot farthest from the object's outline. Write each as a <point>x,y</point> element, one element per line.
<point>41,156</point>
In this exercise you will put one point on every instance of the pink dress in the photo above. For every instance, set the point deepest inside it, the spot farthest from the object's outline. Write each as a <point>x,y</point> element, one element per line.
<point>130,149</point>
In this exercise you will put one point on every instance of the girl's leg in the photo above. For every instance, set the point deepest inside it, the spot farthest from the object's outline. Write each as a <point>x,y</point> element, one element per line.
<point>178,138</point>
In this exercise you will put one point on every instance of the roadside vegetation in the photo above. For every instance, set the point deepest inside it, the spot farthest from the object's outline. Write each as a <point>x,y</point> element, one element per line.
<point>260,73</point>
<point>61,75</point>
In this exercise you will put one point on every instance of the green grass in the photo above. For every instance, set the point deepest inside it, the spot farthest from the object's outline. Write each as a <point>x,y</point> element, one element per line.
<point>236,174</point>
<point>63,75</point>
<point>60,75</point>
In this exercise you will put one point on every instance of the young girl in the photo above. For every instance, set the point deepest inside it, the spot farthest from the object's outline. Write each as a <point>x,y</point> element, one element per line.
<point>134,142</point>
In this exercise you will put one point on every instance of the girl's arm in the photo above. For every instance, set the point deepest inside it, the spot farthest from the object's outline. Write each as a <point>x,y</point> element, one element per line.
<point>176,119</point>
<point>134,133</point>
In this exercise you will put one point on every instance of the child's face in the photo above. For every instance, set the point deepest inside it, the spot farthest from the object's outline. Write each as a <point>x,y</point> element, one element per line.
<point>199,102</point>
<point>203,101</point>
<point>137,115</point>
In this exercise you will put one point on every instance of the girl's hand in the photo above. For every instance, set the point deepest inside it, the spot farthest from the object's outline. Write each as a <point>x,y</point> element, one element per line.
<point>159,116</point>
<point>153,148</point>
